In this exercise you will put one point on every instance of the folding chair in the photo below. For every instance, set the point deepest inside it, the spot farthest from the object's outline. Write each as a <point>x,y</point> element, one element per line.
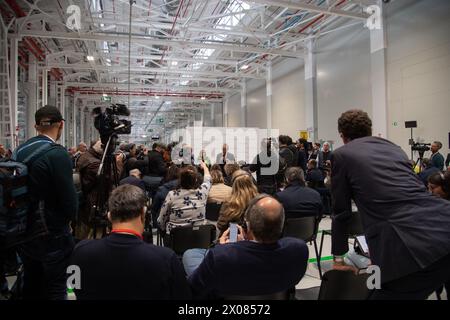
<point>189,237</point>
<point>354,228</point>
<point>344,285</point>
<point>304,228</point>
<point>212,211</point>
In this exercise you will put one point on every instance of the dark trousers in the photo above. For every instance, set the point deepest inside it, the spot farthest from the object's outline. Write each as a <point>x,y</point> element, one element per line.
<point>418,285</point>
<point>45,262</point>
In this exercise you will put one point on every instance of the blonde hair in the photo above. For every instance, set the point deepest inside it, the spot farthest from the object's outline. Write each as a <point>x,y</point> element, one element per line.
<point>242,192</point>
<point>216,176</point>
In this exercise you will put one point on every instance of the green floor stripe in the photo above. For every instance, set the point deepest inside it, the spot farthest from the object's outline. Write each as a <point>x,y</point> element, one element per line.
<point>314,260</point>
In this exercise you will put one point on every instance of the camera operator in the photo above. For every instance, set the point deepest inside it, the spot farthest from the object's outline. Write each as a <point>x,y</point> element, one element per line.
<point>437,159</point>
<point>88,165</point>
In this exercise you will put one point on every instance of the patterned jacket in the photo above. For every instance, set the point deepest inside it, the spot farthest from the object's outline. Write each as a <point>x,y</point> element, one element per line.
<point>184,206</point>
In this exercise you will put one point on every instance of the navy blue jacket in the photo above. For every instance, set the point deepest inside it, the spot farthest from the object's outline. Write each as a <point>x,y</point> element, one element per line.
<point>314,177</point>
<point>437,160</point>
<point>161,195</point>
<point>122,266</point>
<point>50,179</point>
<point>250,268</point>
<point>425,174</point>
<point>406,227</point>
<point>133,181</point>
<point>299,199</point>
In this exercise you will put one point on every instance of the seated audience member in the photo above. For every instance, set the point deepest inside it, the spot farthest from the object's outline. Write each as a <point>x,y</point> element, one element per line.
<point>427,171</point>
<point>298,200</point>
<point>186,205</point>
<point>243,191</point>
<point>228,170</point>
<point>314,176</point>
<point>122,265</point>
<point>439,184</point>
<point>132,161</point>
<point>219,191</point>
<point>134,178</point>
<point>258,263</point>
<point>169,183</point>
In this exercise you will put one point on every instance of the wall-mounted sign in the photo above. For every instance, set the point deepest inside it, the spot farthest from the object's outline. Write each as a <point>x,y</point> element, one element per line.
<point>303,134</point>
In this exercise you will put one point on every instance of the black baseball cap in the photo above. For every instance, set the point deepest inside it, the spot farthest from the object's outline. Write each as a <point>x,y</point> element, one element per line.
<point>49,114</point>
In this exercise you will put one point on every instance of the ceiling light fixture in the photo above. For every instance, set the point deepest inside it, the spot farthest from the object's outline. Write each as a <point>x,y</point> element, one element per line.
<point>90,58</point>
<point>203,98</point>
<point>245,67</point>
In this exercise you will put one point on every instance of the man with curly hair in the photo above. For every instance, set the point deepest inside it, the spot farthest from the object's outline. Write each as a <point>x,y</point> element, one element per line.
<point>407,229</point>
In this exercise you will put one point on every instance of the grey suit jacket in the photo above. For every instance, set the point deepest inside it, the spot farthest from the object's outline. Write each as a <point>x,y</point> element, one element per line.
<point>406,227</point>
<point>229,157</point>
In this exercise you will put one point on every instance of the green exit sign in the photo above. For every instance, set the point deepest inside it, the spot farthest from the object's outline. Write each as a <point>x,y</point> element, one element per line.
<point>107,98</point>
<point>161,120</point>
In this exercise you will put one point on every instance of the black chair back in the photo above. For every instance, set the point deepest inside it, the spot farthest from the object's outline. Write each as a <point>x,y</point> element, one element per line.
<point>282,295</point>
<point>304,228</point>
<point>344,285</point>
<point>189,237</point>
<point>212,211</point>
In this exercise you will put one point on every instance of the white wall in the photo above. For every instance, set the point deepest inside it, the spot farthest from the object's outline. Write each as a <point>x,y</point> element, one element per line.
<point>418,56</point>
<point>418,73</point>
<point>343,78</point>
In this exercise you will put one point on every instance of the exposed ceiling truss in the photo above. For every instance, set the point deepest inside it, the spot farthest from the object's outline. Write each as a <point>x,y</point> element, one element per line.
<point>184,51</point>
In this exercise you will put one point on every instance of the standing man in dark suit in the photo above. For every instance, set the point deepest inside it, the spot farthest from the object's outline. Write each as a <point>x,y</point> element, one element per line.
<point>407,229</point>
<point>437,159</point>
<point>262,264</point>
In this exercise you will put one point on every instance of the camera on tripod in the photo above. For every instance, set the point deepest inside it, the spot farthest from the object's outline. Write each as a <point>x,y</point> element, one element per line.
<point>108,123</point>
<point>420,147</point>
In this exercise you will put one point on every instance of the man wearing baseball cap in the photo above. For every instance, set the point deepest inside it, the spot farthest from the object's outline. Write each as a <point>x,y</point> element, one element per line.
<point>51,187</point>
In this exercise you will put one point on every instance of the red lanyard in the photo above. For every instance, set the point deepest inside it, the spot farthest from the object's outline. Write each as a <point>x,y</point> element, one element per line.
<point>128,231</point>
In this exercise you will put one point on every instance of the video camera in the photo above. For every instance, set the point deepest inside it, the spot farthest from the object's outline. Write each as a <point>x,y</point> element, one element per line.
<point>108,122</point>
<point>420,147</point>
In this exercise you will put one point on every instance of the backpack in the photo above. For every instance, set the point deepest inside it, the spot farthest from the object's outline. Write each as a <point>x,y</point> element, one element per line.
<point>21,217</point>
